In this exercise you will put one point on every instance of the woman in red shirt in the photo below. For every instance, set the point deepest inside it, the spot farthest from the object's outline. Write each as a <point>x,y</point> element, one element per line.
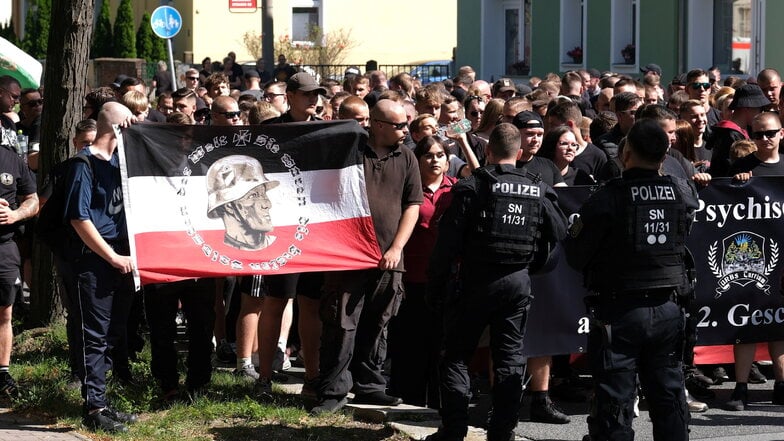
<point>415,333</point>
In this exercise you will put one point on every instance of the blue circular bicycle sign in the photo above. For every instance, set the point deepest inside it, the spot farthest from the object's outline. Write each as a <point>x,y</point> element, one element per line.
<point>166,21</point>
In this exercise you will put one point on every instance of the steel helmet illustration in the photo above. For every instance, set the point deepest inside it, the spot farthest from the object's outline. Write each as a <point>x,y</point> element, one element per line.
<point>232,177</point>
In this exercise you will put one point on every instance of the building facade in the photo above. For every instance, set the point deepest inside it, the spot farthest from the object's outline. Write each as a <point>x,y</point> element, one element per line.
<point>400,32</point>
<point>738,36</point>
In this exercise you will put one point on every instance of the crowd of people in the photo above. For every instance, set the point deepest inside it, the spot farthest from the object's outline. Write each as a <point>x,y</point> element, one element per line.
<point>572,130</point>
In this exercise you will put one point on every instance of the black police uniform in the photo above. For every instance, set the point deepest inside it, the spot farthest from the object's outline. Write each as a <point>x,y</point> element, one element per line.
<point>498,220</point>
<point>629,244</point>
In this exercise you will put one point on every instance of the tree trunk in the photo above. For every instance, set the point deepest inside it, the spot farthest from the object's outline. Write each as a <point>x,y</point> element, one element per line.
<point>65,81</point>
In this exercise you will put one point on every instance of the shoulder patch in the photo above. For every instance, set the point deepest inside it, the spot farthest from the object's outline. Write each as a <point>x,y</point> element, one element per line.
<point>6,179</point>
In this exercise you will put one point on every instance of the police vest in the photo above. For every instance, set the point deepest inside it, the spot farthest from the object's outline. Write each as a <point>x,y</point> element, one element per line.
<point>505,225</point>
<point>647,238</point>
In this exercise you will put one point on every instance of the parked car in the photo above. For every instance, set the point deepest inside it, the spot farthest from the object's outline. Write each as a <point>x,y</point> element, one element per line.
<point>432,71</point>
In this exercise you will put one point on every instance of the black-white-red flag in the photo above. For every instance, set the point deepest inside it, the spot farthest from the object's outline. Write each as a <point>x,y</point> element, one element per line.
<point>205,201</point>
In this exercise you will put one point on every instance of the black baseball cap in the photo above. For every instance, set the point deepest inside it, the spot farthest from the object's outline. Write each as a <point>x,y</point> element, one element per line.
<point>305,82</point>
<point>528,120</point>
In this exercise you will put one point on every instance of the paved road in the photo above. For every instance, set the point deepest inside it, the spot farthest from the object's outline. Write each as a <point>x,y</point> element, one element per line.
<point>17,428</point>
<point>762,421</point>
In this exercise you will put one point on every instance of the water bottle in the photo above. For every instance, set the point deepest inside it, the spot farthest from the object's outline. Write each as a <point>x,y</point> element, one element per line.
<point>21,144</point>
<point>459,127</point>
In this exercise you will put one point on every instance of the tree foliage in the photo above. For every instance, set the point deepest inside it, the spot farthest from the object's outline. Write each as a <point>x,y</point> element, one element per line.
<point>103,40</point>
<point>144,36</point>
<point>321,48</point>
<point>7,31</point>
<point>159,51</point>
<point>36,33</point>
<point>124,34</point>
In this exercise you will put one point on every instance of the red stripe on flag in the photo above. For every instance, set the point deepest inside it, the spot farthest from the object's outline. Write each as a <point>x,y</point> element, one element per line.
<point>347,244</point>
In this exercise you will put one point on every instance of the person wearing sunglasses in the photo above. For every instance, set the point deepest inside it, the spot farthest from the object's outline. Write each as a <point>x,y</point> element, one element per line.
<point>698,87</point>
<point>748,101</point>
<point>394,189</point>
<point>10,91</point>
<point>32,105</point>
<point>225,112</point>
<point>766,133</point>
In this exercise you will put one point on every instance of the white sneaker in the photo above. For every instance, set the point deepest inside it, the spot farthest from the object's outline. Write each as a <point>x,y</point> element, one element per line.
<point>281,361</point>
<point>248,372</point>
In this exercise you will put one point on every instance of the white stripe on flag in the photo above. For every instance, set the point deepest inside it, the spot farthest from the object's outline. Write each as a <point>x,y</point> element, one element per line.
<point>155,205</point>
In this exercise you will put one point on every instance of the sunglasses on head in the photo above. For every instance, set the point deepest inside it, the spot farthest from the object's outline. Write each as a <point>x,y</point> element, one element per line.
<point>697,86</point>
<point>770,134</point>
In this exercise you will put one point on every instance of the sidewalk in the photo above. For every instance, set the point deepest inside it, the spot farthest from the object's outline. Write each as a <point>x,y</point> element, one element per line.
<point>14,427</point>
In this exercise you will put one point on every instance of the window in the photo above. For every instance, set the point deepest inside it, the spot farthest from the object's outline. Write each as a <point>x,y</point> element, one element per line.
<point>572,31</point>
<point>302,21</point>
<point>732,36</point>
<point>517,38</point>
<point>624,32</point>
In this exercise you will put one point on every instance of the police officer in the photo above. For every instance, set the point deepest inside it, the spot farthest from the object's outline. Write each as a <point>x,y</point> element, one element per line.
<point>629,243</point>
<point>498,221</point>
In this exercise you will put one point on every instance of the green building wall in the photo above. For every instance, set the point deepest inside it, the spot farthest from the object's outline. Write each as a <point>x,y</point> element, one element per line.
<point>469,35</point>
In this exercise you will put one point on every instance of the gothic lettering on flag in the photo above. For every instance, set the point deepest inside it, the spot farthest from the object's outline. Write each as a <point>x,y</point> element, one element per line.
<point>206,201</point>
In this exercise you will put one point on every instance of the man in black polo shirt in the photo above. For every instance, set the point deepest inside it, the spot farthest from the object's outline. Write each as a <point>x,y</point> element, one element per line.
<point>357,305</point>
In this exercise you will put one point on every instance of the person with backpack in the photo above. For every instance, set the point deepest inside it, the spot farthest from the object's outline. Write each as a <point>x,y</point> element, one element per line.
<point>53,230</point>
<point>18,202</point>
<point>101,265</point>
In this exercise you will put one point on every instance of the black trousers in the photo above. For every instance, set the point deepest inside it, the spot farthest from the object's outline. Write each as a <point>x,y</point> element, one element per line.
<point>355,309</point>
<point>101,303</point>
<point>415,335</point>
<point>161,300</point>
<point>498,297</point>
<point>629,338</point>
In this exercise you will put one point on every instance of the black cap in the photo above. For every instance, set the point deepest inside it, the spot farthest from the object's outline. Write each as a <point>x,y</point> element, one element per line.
<point>119,79</point>
<point>504,85</point>
<point>523,89</point>
<point>305,82</point>
<point>651,68</point>
<point>528,120</point>
<point>749,95</point>
<point>352,71</point>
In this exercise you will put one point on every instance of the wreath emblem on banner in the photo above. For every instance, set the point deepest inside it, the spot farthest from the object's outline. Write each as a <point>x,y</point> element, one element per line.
<point>743,261</point>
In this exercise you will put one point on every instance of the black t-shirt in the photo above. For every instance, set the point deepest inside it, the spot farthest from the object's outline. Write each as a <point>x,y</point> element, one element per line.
<point>7,132</point>
<point>15,180</point>
<point>163,82</point>
<point>545,168</point>
<point>758,168</point>
<point>591,160</point>
<point>575,176</point>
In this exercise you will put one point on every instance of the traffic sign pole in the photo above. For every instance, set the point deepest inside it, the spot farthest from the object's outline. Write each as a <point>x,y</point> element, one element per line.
<point>166,22</point>
<point>171,64</point>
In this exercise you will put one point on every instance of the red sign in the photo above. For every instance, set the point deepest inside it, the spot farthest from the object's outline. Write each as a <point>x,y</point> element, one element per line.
<point>242,4</point>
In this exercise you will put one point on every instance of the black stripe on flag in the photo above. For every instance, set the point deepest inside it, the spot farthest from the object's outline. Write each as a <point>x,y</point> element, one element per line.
<point>177,150</point>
